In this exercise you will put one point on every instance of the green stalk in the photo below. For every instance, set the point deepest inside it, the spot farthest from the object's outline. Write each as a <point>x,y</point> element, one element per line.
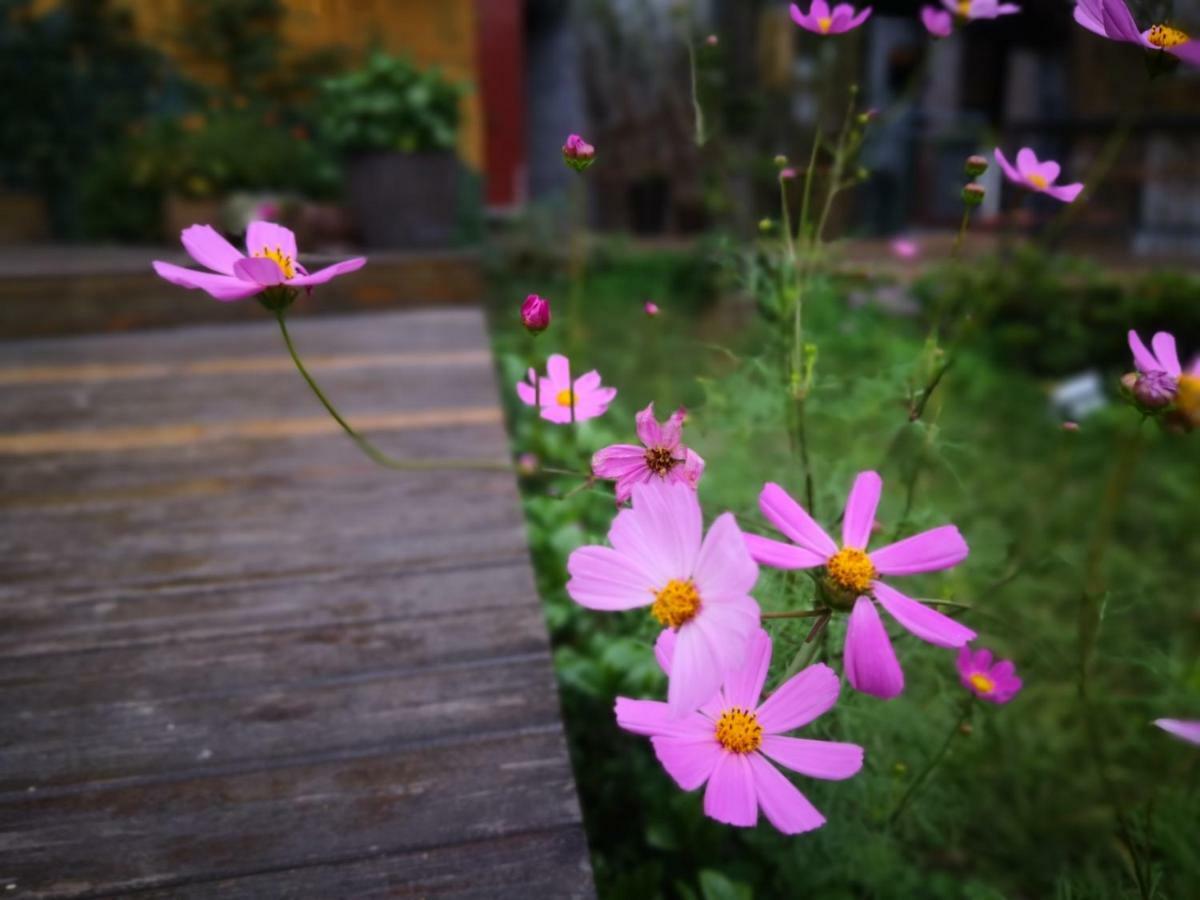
<point>934,761</point>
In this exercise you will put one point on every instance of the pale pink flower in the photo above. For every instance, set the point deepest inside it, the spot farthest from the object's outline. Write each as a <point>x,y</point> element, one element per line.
<point>272,262</point>
<point>1188,730</point>
<point>1037,176</point>
<point>852,578</point>
<point>937,22</point>
<point>562,401</point>
<point>731,741</point>
<point>973,10</point>
<point>662,456</point>
<point>695,585</point>
<point>820,19</point>
<point>904,248</point>
<point>651,308</point>
<point>994,681</point>
<point>1113,20</point>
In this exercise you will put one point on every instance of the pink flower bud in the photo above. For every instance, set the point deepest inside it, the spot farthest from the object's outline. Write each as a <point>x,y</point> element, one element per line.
<point>1070,426</point>
<point>535,314</point>
<point>578,153</point>
<point>528,464</point>
<point>1155,390</point>
<point>712,40</point>
<point>651,308</point>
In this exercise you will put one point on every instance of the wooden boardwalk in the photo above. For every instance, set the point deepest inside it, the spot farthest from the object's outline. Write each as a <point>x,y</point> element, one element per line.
<point>238,660</point>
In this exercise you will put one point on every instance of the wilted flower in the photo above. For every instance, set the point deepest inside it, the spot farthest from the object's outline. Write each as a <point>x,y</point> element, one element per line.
<point>729,741</point>
<point>272,263</point>
<point>1188,730</point>
<point>937,22</point>
<point>535,314</point>
<point>562,401</point>
<point>1038,176</point>
<point>696,585</point>
<point>1112,19</point>
<point>661,456</point>
<point>851,578</point>
<point>994,681</point>
<point>578,153</point>
<point>821,20</point>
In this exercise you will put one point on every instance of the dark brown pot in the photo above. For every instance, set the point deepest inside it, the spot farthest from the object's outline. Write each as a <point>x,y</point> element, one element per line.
<point>404,200</point>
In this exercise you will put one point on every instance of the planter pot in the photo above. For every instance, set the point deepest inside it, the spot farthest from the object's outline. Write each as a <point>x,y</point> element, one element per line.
<point>179,212</point>
<point>404,200</point>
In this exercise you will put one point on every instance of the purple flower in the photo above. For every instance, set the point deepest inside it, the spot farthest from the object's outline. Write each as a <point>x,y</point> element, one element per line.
<point>1112,19</point>
<point>937,22</point>
<point>974,10</point>
<point>1037,176</point>
<point>994,681</point>
<point>535,314</point>
<point>272,262</point>
<point>1188,730</point>
<point>820,19</point>
<point>661,456</point>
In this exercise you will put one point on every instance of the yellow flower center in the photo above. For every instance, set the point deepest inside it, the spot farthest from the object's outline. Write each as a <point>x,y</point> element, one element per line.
<point>1038,181</point>
<point>738,730</point>
<point>1187,399</point>
<point>676,604</point>
<point>824,24</point>
<point>563,397</point>
<point>851,570</point>
<point>659,461</point>
<point>285,262</point>
<point>982,683</point>
<point>1165,37</point>
<point>964,8</point>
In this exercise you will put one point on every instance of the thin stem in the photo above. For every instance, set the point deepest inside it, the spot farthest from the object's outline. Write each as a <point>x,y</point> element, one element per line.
<point>810,647</point>
<point>369,449</point>
<point>962,231</point>
<point>795,614</point>
<point>697,109</point>
<point>933,763</point>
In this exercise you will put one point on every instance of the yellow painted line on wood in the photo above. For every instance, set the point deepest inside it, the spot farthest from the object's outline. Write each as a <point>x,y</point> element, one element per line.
<point>90,372</point>
<point>153,437</point>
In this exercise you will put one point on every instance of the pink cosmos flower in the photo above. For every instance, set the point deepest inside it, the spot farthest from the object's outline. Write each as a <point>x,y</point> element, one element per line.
<point>562,401</point>
<point>1164,358</point>
<point>973,10</point>
<point>1038,176</point>
<point>851,578</point>
<point>905,248</point>
<point>996,682</point>
<point>272,262</point>
<point>1188,730</point>
<point>662,456</point>
<point>1113,20</point>
<point>696,586</point>
<point>578,153</point>
<point>822,20</point>
<point>729,741</point>
<point>651,309</point>
<point>937,22</point>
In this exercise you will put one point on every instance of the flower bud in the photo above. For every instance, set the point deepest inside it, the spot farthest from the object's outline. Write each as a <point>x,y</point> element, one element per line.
<point>1155,390</point>
<point>578,153</point>
<point>973,194</point>
<point>867,116</point>
<point>1128,380</point>
<point>712,40</point>
<point>651,308</point>
<point>535,314</point>
<point>527,464</point>
<point>780,161</point>
<point>1070,426</point>
<point>975,166</point>
<point>765,226</point>
<point>787,174</point>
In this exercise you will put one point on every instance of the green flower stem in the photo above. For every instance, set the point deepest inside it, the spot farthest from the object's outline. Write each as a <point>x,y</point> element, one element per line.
<point>962,231</point>
<point>934,761</point>
<point>369,449</point>
<point>795,614</point>
<point>697,108</point>
<point>810,648</point>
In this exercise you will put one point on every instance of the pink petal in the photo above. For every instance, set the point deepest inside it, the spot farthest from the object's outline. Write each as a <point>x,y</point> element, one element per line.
<point>917,618</point>
<point>559,371</point>
<point>1089,13</point>
<point>1118,22</point>
<point>1007,167</point>
<point>743,686</point>
<point>651,717</point>
<point>618,461</point>
<point>1142,358</point>
<point>220,287</point>
<point>262,236</point>
<point>794,522</point>
<point>1065,192</point>
<point>1027,162</point>
<point>782,803</point>
<point>930,551</point>
<point>670,527</point>
<point>1189,730</point>
<point>632,534</point>
<point>690,761</point>
<point>258,270</point>
<point>664,653</point>
<point>798,17</point>
<point>1189,52</point>
<point>697,669</point>
<point>860,510</point>
<point>1049,170</point>
<point>602,578</point>
<point>799,700</point>
<point>723,565</point>
<point>779,555</point>
<point>208,248</point>
<point>730,796</point>
<point>648,431</point>
<point>329,272</point>
<point>1164,349</point>
<point>692,469</point>
<point>831,760</point>
<point>870,661</point>
<point>672,429</point>
<point>859,19</point>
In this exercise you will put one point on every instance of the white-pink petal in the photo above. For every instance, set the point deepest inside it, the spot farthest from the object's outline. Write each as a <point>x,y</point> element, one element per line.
<point>602,578</point>
<point>723,565</point>
<point>743,686</point>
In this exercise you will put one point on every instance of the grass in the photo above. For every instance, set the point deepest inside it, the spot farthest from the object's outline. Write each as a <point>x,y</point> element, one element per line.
<point>1018,808</point>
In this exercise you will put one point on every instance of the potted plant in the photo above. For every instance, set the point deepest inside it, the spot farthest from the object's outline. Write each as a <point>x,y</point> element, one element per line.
<point>397,128</point>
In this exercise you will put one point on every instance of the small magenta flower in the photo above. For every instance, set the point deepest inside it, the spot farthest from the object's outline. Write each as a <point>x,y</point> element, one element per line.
<point>695,585</point>
<point>272,262</point>
<point>651,308</point>
<point>732,740</point>
<point>851,578</point>
<point>1188,730</point>
<point>787,174</point>
<point>974,10</point>
<point>1037,176</point>
<point>1113,20</point>
<point>820,19</point>
<point>578,153</point>
<point>995,682</point>
<point>712,40</point>
<point>662,456</point>
<point>904,248</point>
<point>937,22</point>
<point>562,401</point>
<point>535,314</point>
<point>528,463</point>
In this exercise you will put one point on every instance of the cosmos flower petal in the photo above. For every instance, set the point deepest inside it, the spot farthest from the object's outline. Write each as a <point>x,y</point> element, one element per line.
<point>664,653</point>
<point>859,517</point>
<point>793,521</point>
<point>830,760</point>
<point>647,427</point>
<point>930,551</point>
<point>207,247</point>
<point>870,661</point>
<point>1065,192</point>
<point>1006,166</point>
<point>1142,357</point>
<point>602,578</point>
<point>804,697</point>
<point>779,555</point>
<point>918,619</point>
<point>781,801</point>
<point>321,276</point>
<point>743,686</point>
<point>633,534</point>
<point>724,565</point>
<point>649,717</point>
<point>1189,730</point>
<point>858,20</point>
<point>1090,14</point>
<point>696,670</point>
<point>264,236</point>
<point>730,796</point>
<point>690,761</point>
<point>1118,22</point>
<point>672,525</point>
<point>1166,353</point>
<point>1027,162</point>
<point>618,461</point>
<point>220,287</point>
<point>558,368</point>
<point>1189,52</point>
<point>259,270</point>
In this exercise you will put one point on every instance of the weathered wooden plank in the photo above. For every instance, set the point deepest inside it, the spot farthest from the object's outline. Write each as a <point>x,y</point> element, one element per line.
<point>120,838</point>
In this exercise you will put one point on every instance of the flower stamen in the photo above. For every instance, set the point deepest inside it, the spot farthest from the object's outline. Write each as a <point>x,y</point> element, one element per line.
<point>660,461</point>
<point>285,262</point>
<point>982,683</point>
<point>563,397</point>
<point>676,604</point>
<point>1164,37</point>
<point>738,730</point>
<point>851,570</point>
<point>1038,181</point>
